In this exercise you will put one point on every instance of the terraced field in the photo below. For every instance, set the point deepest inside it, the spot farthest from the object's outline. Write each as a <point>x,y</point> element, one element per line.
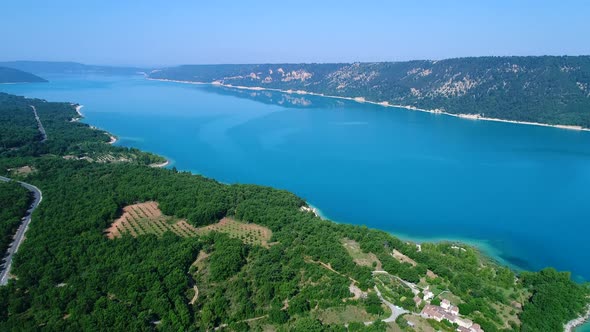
<point>146,218</point>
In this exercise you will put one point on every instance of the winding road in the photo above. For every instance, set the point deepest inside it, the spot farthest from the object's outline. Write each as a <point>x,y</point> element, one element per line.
<point>20,233</point>
<point>395,310</point>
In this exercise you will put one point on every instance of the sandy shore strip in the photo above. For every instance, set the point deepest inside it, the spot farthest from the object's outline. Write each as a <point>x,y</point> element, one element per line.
<point>78,108</point>
<point>380,103</point>
<point>113,139</point>
<point>572,324</point>
<point>316,211</point>
<point>80,115</point>
<point>310,209</point>
<point>164,164</point>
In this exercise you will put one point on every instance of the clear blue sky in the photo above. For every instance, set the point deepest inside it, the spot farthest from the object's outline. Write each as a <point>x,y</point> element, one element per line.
<point>151,32</point>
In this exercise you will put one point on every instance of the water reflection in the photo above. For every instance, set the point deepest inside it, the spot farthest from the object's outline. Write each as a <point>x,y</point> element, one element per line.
<point>289,100</point>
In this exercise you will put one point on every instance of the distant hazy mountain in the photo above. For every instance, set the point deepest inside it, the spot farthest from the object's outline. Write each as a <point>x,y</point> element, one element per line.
<point>547,89</point>
<point>49,67</point>
<point>11,75</point>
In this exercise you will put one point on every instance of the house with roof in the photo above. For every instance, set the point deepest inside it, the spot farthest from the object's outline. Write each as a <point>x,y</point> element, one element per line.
<point>433,312</point>
<point>417,300</point>
<point>449,312</point>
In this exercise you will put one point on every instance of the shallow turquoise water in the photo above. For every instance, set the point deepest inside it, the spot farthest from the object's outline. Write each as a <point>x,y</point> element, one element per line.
<point>518,192</point>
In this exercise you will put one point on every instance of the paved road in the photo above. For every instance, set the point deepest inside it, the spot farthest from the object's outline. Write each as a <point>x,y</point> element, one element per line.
<point>20,233</point>
<point>41,129</point>
<point>395,310</point>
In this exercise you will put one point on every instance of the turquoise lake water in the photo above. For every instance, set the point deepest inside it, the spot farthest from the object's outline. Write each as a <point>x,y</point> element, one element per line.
<point>518,192</point>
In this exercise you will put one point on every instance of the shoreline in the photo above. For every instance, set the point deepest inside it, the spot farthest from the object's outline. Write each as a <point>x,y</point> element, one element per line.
<point>310,208</point>
<point>80,115</point>
<point>78,108</point>
<point>23,82</point>
<point>161,165</point>
<point>382,103</point>
<point>583,319</point>
<point>482,246</point>
<point>113,139</point>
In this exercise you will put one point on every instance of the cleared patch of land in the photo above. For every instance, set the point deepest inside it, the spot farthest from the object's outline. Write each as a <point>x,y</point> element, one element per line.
<point>403,258</point>
<point>361,258</point>
<point>25,170</point>
<point>418,323</point>
<point>249,233</point>
<point>147,218</point>
<point>345,315</point>
<point>102,158</point>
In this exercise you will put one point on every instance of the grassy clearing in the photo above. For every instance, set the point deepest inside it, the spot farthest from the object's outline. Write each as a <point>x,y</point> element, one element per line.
<point>454,299</point>
<point>403,258</point>
<point>508,314</point>
<point>361,258</point>
<point>345,315</point>
<point>420,324</point>
<point>22,171</point>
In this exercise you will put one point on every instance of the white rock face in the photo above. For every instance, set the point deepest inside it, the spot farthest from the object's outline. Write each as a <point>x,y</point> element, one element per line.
<point>300,74</point>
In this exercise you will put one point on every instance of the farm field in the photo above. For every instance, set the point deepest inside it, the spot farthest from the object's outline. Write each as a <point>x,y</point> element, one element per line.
<point>147,218</point>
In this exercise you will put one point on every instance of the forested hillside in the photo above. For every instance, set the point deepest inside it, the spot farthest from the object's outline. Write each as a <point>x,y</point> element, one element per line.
<point>311,274</point>
<point>11,75</point>
<point>547,89</point>
<point>14,201</point>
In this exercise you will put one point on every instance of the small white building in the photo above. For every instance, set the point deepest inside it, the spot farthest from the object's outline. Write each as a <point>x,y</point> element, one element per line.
<point>445,304</point>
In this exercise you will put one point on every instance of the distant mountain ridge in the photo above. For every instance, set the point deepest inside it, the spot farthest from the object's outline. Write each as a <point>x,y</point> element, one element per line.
<point>55,67</point>
<point>11,75</point>
<point>544,89</point>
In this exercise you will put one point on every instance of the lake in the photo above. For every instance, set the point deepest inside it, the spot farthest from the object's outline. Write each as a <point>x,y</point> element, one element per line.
<point>517,192</point>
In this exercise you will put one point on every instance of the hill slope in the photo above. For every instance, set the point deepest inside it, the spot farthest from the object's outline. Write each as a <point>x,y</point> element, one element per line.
<point>546,89</point>
<point>11,75</point>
